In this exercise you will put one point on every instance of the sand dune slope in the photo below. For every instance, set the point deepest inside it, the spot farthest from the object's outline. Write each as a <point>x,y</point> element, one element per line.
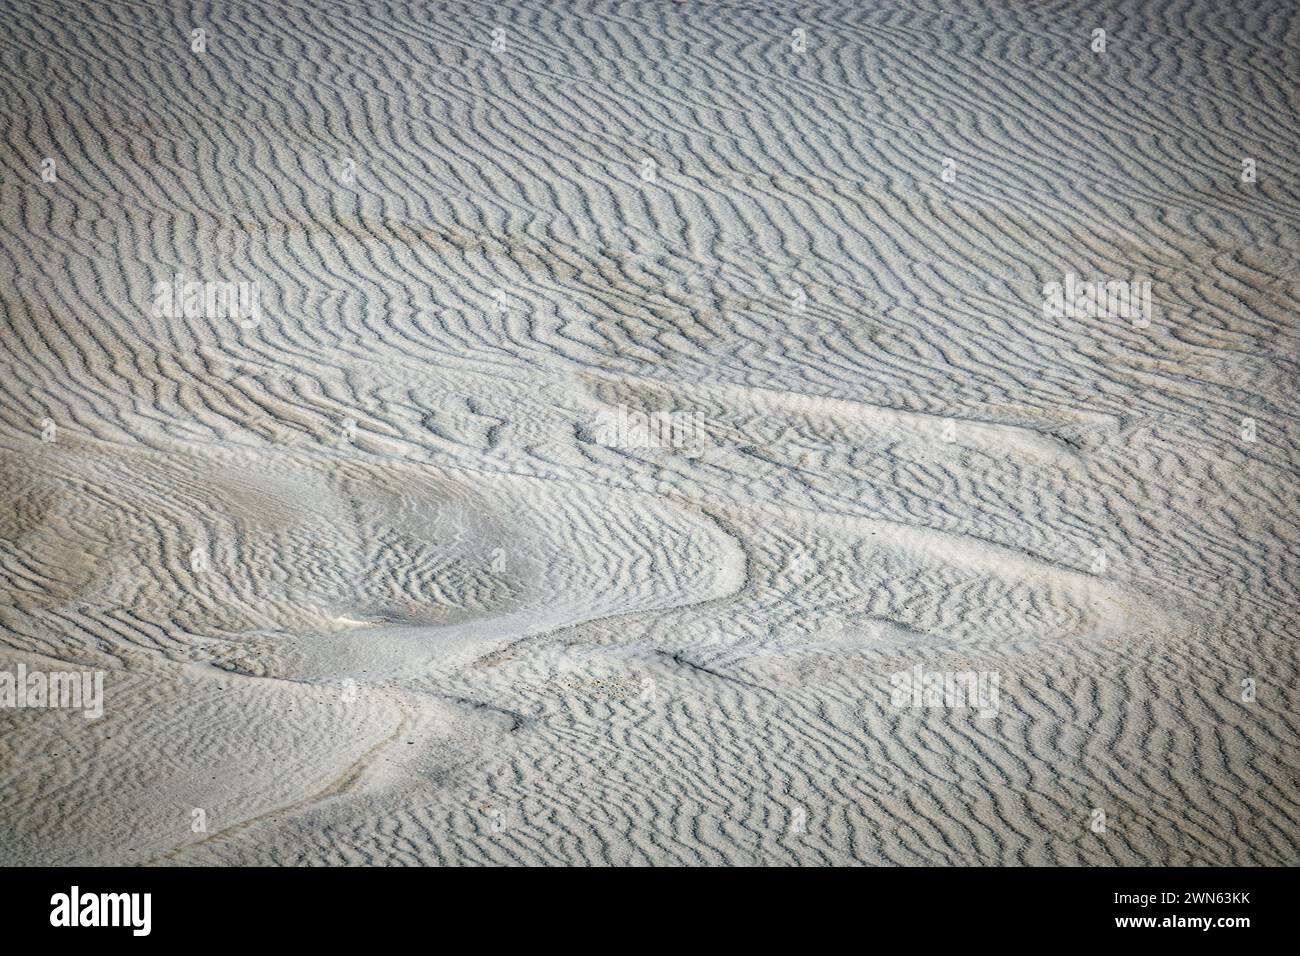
<point>634,390</point>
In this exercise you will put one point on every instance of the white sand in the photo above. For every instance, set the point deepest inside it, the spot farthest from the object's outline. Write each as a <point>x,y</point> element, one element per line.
<point>440,615</point>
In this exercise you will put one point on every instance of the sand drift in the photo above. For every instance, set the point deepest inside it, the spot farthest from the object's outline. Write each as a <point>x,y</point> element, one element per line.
<point>650,433</point>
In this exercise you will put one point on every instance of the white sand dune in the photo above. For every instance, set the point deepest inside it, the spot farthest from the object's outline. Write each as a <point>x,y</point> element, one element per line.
<point>369,579</point>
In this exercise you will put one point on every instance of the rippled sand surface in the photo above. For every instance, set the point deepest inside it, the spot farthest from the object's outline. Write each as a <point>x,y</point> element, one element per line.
<point>635,391</point>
